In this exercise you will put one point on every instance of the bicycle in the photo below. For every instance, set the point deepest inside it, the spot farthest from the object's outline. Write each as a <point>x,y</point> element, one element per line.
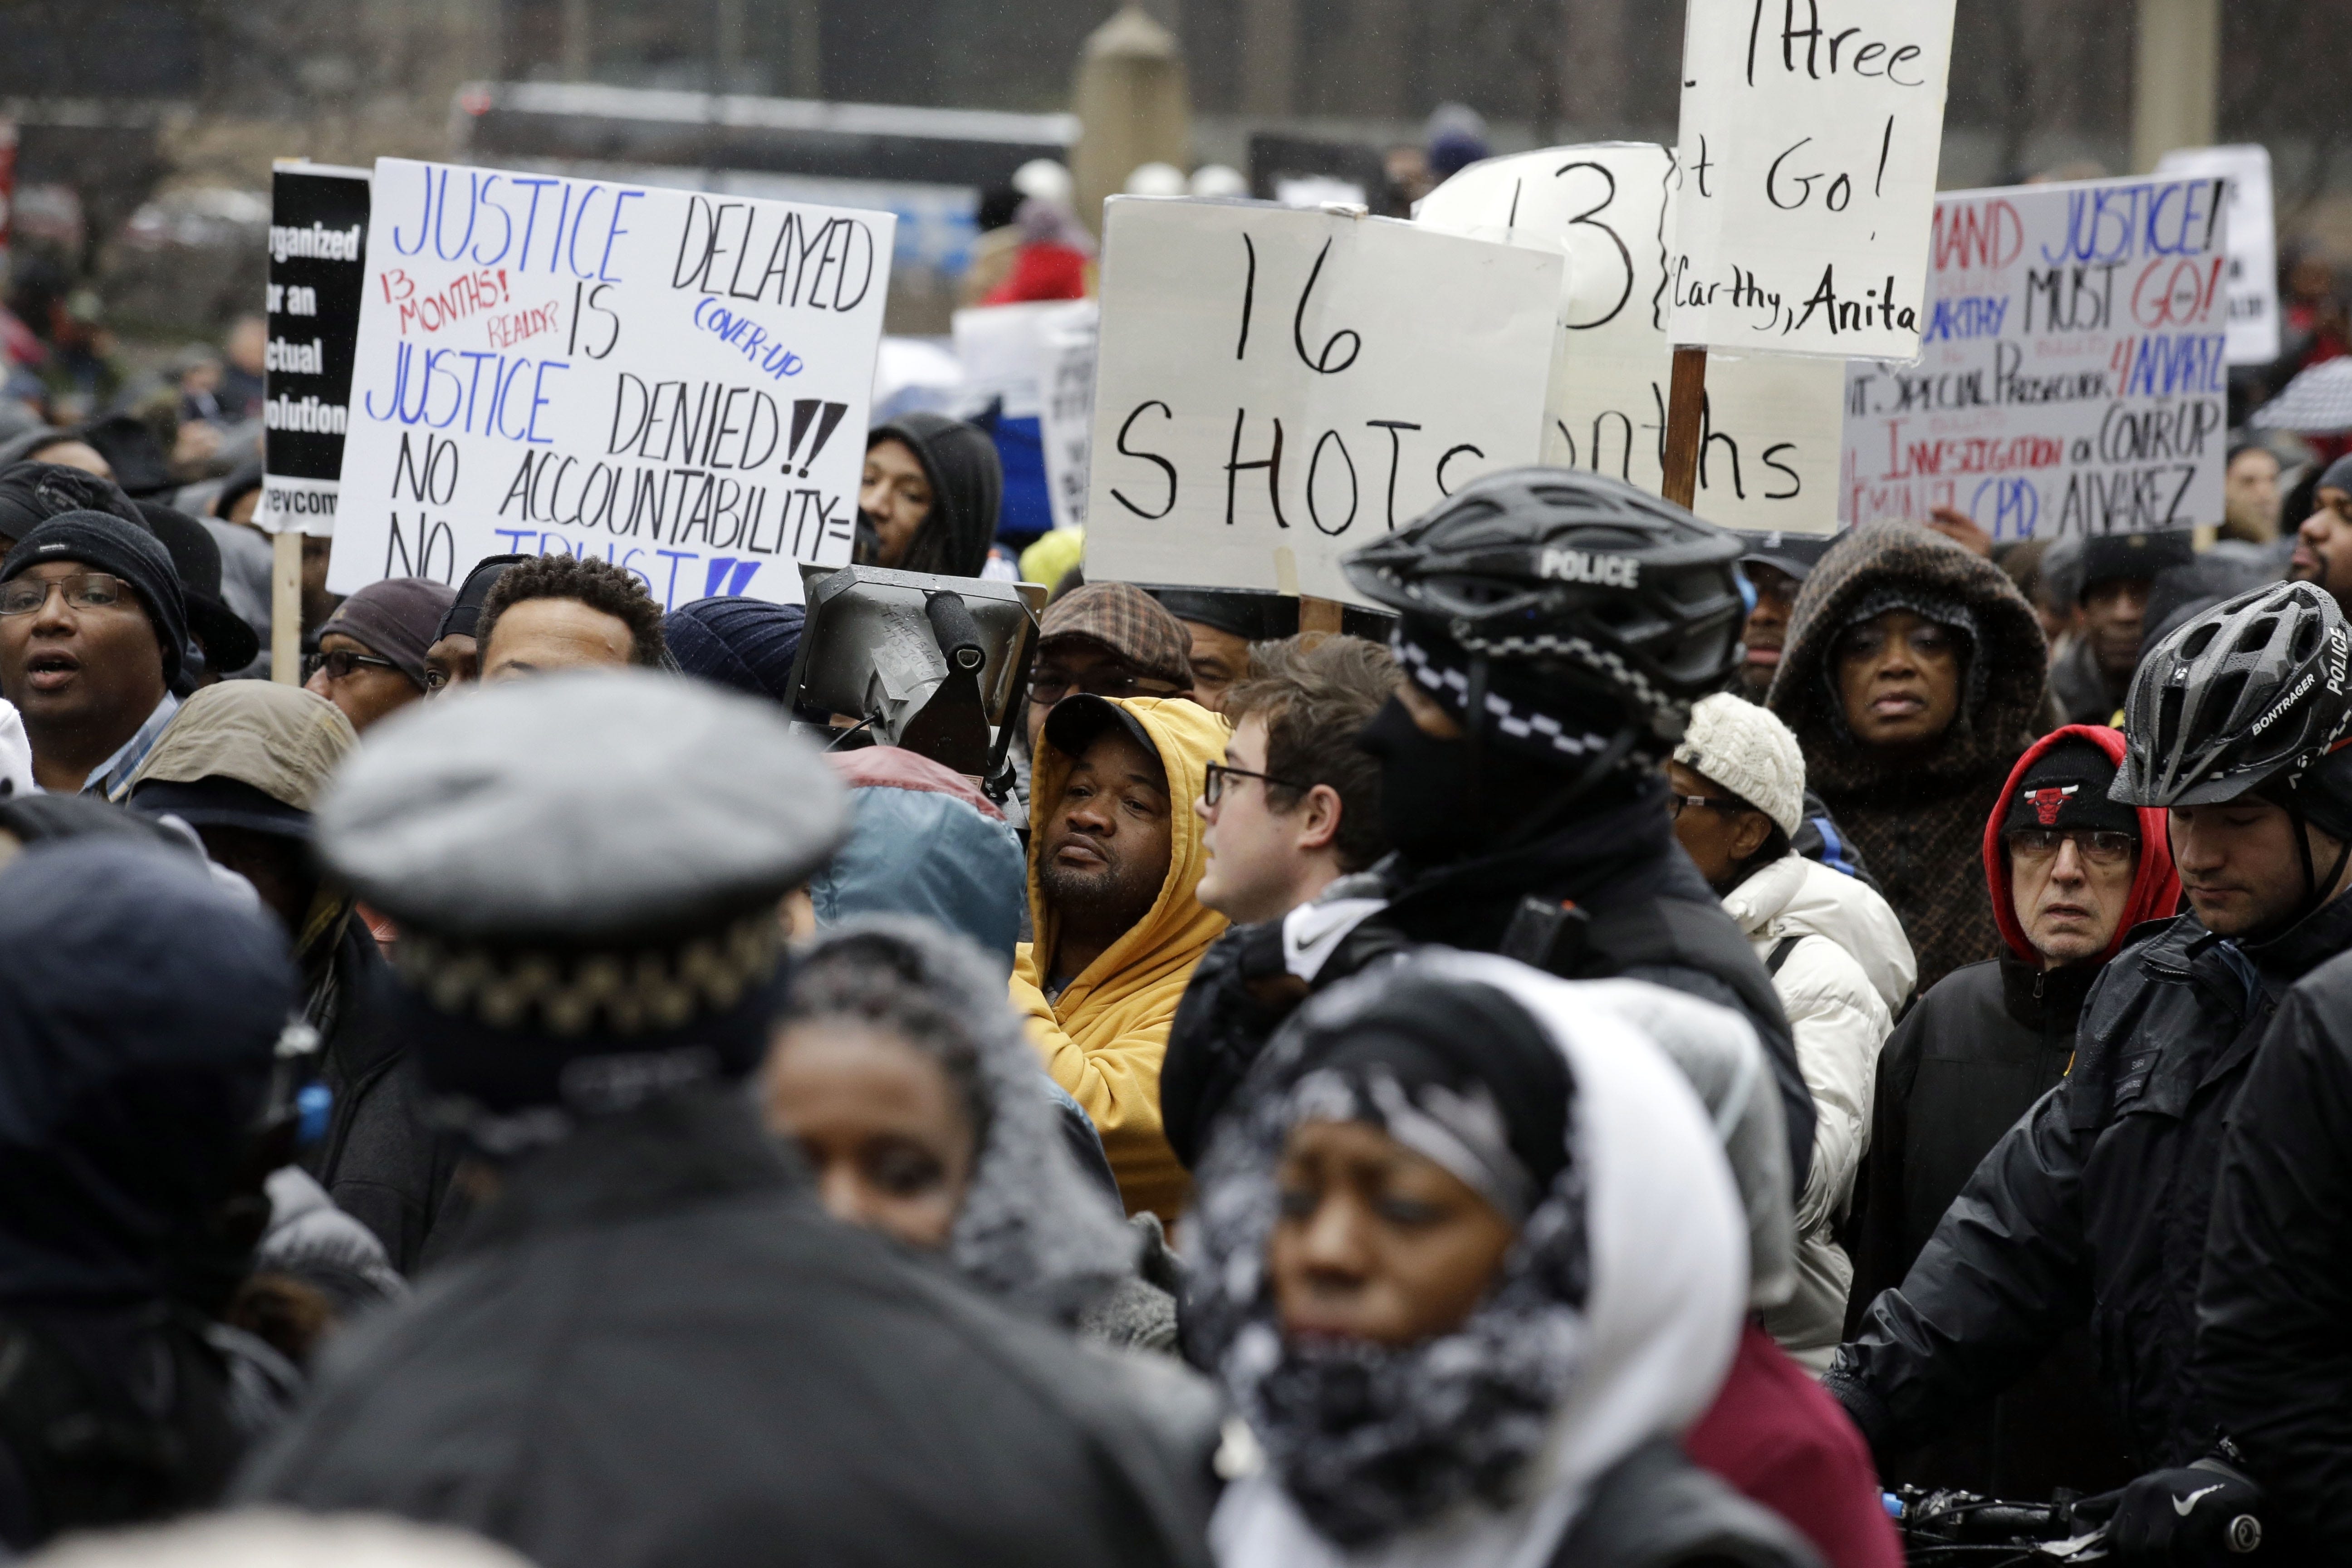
<point>1947,1527</point>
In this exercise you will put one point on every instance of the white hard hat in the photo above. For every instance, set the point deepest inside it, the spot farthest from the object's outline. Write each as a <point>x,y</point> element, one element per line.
<point>1219,180</point>
<point>1156,180</point>
<point>1046,179</point>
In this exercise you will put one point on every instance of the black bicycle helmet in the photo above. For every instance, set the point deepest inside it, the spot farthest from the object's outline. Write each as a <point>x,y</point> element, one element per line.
<point>2251,692</point>
<point>1575,570</point>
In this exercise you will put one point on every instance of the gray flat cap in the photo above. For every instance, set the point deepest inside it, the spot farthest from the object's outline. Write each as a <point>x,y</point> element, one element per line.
<point>586,808</point>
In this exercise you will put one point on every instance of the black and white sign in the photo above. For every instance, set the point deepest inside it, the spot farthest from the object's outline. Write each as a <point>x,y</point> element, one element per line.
<point>318,253</point>
<point>1769,431</point>
<point>1278,386</point>
<point>1810,130</point>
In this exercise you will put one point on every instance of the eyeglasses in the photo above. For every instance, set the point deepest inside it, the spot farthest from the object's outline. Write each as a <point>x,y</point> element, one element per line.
<point>1677,804</point>
<point>340,664</point>
<point>2097,847</point>
<point>1212,787</point>
<point>1050,686</point>
<point>84,590</point>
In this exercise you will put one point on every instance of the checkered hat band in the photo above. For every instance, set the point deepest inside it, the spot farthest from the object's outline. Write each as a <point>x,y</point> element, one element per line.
<point>1532,731</point>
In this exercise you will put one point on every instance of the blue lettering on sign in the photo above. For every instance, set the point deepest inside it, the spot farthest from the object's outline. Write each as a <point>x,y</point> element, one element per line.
<point>727,575</point>
<point>441,387</point>
<point>748,338</point>
<point>1975,316</point>
<point>2113,224</point>
<point>2167,365</point>
<point>2016,506</point>
<point>460,209</point>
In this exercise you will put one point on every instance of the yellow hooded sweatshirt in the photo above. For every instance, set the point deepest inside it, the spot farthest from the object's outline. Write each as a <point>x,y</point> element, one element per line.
<point>1103,1037</point>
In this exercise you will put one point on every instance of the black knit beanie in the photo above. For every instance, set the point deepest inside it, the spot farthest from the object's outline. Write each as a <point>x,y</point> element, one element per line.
<point>104,542</point>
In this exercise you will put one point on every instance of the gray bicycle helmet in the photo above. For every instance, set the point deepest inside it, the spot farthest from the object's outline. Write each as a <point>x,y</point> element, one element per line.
<point>2252,692</point>
<point>1605,583</point>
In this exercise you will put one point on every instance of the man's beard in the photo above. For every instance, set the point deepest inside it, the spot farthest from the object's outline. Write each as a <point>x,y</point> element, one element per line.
<point>1113,896</point>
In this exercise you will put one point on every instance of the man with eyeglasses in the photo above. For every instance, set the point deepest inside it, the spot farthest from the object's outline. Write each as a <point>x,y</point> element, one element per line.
<point>1295,805</point>
<point>2091,1212</point>
<point>1107,639</point>
<point>2323,542</point>
<point>2072,872</point>
<point>91,626</point>
<point>371,658</point>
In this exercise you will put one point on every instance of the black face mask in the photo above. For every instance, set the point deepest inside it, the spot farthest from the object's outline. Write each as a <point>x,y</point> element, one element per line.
<point>1424,787</point>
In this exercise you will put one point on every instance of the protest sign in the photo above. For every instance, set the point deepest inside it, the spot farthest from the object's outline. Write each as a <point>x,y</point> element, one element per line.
<point>673,381</point>
<point>1066,418</point>
<point>1810,130</point>
<point>1771,427</point>
<point>1277,386</point>
<point>2254,242</point>
<point>1037,360</point>
<point>317,250</point>
<point>2073,378</point>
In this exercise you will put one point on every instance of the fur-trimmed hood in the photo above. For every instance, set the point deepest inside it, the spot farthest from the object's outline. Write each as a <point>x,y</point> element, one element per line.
<point>2007,645</point>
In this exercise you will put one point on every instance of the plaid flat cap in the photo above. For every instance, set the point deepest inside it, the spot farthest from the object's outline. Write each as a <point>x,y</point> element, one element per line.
<point>1130,622</point>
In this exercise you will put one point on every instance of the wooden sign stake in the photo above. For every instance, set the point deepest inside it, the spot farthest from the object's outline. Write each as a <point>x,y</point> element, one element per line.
<point>1685,402</point>
<point>1319,614</point>
<point>286,607</point>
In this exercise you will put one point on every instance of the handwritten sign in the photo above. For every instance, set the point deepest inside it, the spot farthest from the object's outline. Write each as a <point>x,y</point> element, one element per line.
<point>1278,386</point>
<point>673,381</point>
<point>2073,379</point>
<point>1810,135</point>
<point>318,248</point>
<point>2254,242</point>
<point>1772,427</point>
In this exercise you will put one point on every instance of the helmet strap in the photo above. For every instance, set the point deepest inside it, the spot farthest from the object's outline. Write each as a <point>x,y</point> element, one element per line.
<point>1473,740</point>
<point>1561,805</point>
<point>2315,889</point>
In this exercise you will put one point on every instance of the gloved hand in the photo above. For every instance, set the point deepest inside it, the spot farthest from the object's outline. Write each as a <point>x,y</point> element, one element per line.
<point>2203,1514</point>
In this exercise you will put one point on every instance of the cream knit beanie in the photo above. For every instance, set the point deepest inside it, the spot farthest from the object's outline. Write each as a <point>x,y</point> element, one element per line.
<point>1747,751</point>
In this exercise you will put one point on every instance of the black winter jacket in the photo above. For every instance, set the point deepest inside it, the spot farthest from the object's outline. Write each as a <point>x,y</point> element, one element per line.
<point>654,1348</point>
<point>2094,1208</point>
<point>382,1160</point>
<point>1611,895</point>
<point>1969,1059</point>
<point>1966,1063</point>
<point>1655,1509</point>
<point>2272,1358</point>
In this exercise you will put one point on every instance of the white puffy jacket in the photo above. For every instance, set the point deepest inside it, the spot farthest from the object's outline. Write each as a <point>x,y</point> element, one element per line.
<point>1841,983</point>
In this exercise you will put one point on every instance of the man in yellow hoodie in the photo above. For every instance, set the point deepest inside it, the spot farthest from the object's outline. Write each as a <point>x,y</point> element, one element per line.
<point>1114,858</point>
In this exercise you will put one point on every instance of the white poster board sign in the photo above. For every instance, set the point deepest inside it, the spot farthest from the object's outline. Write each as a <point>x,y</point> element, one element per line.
<point>1278,386</point>
<point>1771,428</point>
<point>2073,378</point>
<point>2254,242</point>
<point>1039,359</point>
<point>1810,135</point>
<point>676,382</point>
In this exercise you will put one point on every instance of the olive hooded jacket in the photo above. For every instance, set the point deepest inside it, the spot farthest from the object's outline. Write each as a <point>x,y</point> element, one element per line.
<point>1104,1035</point>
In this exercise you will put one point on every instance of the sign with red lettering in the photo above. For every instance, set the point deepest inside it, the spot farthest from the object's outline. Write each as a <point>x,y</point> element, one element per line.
<point>673,381</point>
<point>2073,377</point>
<point>1810,130</point>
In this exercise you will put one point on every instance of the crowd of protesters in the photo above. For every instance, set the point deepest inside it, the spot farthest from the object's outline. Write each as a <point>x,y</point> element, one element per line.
<point>1626,1073</point>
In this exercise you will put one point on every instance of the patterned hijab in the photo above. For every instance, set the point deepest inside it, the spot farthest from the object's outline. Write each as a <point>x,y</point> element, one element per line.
<point>1610,1323</point>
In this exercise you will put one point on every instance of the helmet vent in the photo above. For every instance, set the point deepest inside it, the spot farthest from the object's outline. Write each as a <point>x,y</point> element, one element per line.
<point>2167,718</point>
<point>2200,639</point>
<point>2257,634</point>
<point>2223,697</point>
